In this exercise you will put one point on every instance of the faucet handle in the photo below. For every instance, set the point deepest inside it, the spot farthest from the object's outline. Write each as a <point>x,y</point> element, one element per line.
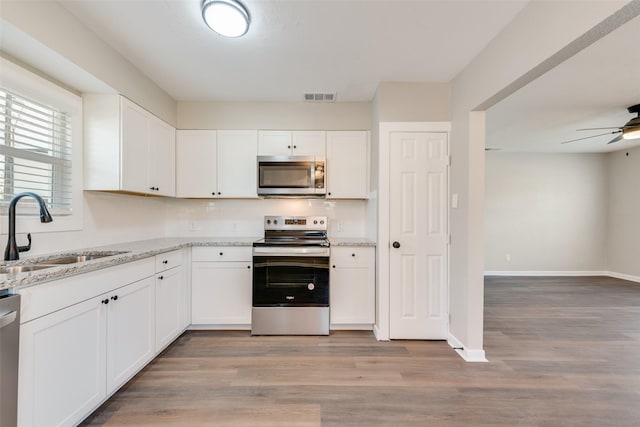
<point>25,248</point>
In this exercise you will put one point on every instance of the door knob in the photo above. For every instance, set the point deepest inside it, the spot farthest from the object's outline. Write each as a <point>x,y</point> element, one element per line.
<point>396,244</point>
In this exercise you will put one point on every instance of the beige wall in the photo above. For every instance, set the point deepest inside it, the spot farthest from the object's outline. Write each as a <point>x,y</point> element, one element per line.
<point>274,115</point>
<point>492,72</point>
<point>547,211</point>
<point>624,212</point>
<point>413,102</point>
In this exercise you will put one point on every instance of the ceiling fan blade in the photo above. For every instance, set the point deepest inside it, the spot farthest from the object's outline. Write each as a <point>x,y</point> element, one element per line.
<point>616,139</point>
<point>612,127</point>
<point>592,136</point>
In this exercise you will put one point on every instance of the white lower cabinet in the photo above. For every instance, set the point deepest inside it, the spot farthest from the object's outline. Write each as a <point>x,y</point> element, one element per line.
<point>171,292</point>
<point>73,358</point>
<point>83,337</point>
<point>221,281</point>
<point>63,358</point>
<point>352,279</point>
<point>130,331</point>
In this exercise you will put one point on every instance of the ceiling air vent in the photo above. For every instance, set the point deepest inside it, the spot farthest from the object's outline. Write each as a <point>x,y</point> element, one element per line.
<point>319,97</point>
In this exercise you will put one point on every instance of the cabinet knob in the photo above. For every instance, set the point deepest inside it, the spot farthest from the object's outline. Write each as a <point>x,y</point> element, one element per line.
<point>105,301</point>
<point>288,146</point>
<point>219,193</point>
<point>115,297</point>
<point>161,278</point>
<point>165,261</point>
<point>213,194</point>
<point>295,146</point>
<point>333,266</point>
<point>221,253</point>
<point>248,266</point>
<point>353,254</point>
<point>329,193</point>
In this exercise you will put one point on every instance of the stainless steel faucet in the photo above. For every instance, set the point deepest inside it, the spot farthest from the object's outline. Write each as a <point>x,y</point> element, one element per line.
<point>12,252</point>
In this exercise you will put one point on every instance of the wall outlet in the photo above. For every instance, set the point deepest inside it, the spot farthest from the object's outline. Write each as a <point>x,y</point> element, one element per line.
<point>507,257</point>
<point>340,226</point>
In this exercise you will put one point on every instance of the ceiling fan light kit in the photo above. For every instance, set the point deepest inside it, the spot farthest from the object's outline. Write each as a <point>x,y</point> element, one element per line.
<point>228,18</point>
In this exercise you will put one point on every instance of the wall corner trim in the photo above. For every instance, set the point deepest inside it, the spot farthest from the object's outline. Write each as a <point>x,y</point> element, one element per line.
<point>469,355</point>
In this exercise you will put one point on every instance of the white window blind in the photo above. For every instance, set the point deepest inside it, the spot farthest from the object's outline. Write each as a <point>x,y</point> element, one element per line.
<point>35,153</point>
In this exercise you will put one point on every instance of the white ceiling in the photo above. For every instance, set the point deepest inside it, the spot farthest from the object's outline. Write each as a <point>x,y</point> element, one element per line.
<point>591,89</point>
<point>297,46</point>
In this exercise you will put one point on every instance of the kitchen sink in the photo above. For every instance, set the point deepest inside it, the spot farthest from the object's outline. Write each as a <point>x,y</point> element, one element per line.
<point>16,269</point>
<point>75,258</point>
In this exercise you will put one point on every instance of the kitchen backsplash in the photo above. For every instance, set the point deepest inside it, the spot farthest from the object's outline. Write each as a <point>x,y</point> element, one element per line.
<point>347,218</point>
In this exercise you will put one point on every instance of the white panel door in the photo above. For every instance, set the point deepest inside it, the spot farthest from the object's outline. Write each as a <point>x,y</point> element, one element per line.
<point>168,306</point>
<point>274,143</point>
<point>418,227</point>
<point>347,168</point>
<point>309,143</point>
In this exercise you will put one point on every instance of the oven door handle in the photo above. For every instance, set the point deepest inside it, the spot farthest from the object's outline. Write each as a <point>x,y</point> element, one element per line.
<point>302,252</point>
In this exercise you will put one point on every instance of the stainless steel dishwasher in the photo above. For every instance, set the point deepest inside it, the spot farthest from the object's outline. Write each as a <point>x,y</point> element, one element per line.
<point>9,340</point>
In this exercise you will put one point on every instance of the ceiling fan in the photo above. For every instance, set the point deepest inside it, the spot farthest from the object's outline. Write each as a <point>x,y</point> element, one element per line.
<point>630,130</point>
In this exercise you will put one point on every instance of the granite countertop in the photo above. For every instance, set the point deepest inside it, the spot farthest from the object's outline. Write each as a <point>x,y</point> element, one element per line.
<point>126,252</point>
<point>121,253</point>
<point>351,241</point>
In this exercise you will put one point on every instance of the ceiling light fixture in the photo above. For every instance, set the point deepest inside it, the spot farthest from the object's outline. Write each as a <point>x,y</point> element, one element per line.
<point>228,18</point>
<point>631,133</point>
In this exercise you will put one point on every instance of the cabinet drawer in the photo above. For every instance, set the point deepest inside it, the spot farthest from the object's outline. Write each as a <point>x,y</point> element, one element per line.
<point>352,256</point>
<point>221,253</point>
<point>168,260</point>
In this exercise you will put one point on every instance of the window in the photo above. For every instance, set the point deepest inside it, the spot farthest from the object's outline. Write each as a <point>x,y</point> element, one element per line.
<point>35,153</point>
<point>40,150</point>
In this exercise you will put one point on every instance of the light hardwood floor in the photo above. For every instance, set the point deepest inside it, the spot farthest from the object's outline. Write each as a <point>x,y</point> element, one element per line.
<point>562,352</point>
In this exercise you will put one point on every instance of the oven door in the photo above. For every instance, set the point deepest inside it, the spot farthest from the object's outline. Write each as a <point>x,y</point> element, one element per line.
<point>290,280</point>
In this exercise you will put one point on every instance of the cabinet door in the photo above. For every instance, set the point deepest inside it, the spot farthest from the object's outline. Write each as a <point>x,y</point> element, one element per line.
<point>274,143</point>
<point>196,166</point>
<point>162,158</point>
<point>62,365</point>
<point>168,306</point>
<point>221,293</point>
<point>130,331</point>
<point>134,140</point>
<point>237,163</point>
<point>309,143</point>
<point>352,285</point>
<point>347,168</point>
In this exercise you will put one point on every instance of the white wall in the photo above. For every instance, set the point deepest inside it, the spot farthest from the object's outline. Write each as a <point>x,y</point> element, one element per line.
<point>108,218</point>
<point>624,212</point>
<point>547,211</point>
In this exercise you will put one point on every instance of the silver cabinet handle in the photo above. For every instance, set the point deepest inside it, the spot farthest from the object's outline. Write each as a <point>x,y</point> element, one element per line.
<point>8,319</point>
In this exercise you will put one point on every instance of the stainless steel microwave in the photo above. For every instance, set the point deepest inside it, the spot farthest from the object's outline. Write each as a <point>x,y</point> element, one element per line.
<point>291,176</point>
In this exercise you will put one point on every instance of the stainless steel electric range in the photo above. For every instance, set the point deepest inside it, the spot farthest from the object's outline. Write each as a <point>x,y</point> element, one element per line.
<point>291,277</point>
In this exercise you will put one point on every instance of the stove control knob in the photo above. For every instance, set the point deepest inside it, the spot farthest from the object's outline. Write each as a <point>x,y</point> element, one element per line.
<point>315,221</point>
<point>268,221</point>
<point>322,221</point>
<point>275,221</point>
<point>311,286</point>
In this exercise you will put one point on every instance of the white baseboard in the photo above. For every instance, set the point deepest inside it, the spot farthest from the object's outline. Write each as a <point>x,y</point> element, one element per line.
<point>538,273</point>
<point>623,276</point>
<point>469,355</point>
<point>546,273</point>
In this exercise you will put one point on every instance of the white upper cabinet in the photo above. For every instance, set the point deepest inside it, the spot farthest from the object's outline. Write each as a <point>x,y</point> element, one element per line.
<point>237,167</point>
<point>196,163</point>
<point>347,167</point>
<point>127,148</point>
<point>219,164</point>
<point>291,143</point>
